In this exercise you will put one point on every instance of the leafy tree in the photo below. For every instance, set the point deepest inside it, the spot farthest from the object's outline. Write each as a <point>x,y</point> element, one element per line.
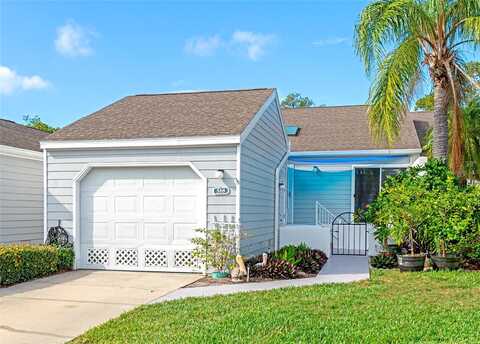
<point>425,103</point>
<point>471,140</point>
<point>400,41</point>
<point>295,100</point>
<point>37,123</point>
<point>471,134</point>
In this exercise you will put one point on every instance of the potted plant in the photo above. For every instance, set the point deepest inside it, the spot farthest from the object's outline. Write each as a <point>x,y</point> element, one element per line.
<point>216,248</point>
<point>399,212</point>
<point>450,218</point>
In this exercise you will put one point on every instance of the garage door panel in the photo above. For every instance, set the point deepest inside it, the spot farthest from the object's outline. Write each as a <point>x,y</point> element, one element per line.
<point>126,231</point>
<point>91,203</point>
<point>185,204</point>
<point>95,231</point>
<point>156,231</point>
<point>126,205</point>
<point>144,217</point>
<point>183,232</point>
<point>127,184</point>
<point>152,184</point>
<point>157,205</point>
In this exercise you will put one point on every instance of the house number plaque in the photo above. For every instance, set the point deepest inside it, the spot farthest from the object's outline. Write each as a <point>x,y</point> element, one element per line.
<point>221,191</point>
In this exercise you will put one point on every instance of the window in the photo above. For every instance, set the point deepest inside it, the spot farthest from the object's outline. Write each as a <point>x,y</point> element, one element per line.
<point>292,130</point>
<point>387,172</point>
<point>368,183</point>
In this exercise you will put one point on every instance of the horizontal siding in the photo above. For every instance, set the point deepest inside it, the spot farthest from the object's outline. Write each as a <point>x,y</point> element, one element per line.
<point>21,200</point>
<point>261,152</point>
<point>64,165</point>
<point>331,189</point>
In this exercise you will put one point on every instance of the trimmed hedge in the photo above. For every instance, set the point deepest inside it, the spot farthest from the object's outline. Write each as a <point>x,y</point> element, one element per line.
<point>20,263</point>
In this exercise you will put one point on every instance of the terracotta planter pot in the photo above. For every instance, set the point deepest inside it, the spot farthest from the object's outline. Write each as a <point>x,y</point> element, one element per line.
<point>449,262</point>
<point>411,263</point>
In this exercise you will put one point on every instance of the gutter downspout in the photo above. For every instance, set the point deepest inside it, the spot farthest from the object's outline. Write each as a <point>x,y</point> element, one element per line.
<point>45,195</point>
<point>277,200</point>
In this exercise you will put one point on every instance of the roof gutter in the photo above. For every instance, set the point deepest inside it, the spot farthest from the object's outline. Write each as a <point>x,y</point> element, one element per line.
<point>20,153</point>
<point>408,151</point>
<point>134,143</point>
<point>277,201</point>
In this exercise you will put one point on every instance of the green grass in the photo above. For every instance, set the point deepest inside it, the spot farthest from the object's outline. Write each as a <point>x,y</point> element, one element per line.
<point>392,307</point>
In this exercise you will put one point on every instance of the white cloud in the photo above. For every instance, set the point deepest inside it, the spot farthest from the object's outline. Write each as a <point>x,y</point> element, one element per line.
<point>74,40</point>
<point>330,41</point>
<point>255,43</point>
<point>10,81</point>
<point>203,46</point>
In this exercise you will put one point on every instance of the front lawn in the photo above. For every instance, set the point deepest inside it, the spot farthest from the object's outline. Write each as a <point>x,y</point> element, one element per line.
<point>392,307</point>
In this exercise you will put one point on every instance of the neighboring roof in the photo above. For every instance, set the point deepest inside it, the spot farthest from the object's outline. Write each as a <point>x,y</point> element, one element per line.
<point>341,128</point>
<point>423,121</point>
<point>20,136</point>
<point>210,113</point>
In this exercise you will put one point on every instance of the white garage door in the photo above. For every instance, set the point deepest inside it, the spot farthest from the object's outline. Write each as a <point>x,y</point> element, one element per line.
<point>140,218</point>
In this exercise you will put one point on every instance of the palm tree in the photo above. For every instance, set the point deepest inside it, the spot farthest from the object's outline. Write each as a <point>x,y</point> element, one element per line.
<point>402,41</point>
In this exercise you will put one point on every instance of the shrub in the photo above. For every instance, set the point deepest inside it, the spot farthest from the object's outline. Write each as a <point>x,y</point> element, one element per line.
<point>288,262</point>
<point>274,269</point>
<point>290,254</point>
<point>430,210</point>
<point>216,247</point>
<point>66,257</point>
<point>312,261</point>
<point>423,206</point>
<point>20,263</point>
<point>384,260</point>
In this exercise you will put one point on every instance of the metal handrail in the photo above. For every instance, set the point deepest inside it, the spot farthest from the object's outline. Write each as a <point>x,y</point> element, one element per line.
<point>323,216</point>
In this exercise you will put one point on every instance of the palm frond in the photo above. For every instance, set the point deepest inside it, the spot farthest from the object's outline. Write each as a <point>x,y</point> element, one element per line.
<point>471,30</point>
<point>385,23</point>
<point>391,92</point>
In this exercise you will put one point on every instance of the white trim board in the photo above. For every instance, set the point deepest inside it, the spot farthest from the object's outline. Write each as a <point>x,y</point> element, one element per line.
<point>285,136</point>
<point>20,153</point>
<point>154,142</point>
<point>87,168</point>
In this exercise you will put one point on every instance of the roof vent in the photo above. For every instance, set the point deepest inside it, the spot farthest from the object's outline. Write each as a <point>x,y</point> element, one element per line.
<point>292,130</point>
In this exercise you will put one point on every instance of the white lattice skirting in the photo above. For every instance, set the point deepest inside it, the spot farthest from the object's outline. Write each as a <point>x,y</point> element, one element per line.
<point>129,258</point>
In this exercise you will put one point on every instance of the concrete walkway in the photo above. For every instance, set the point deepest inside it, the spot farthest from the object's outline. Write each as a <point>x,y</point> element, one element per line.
<point>339,269</point>
<point>58,308</point>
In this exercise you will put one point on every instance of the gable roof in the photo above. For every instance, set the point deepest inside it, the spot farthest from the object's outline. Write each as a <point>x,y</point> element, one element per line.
<point>20,136</point>
<point>209,113</point>
<point>341,128</point>
<point>423,121</point>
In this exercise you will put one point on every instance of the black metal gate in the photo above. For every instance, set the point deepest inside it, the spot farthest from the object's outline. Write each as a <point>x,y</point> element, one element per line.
<point>349,235</point>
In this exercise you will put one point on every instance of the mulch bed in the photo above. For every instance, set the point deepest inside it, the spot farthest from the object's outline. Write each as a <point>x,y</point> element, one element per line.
<point>209,281</point>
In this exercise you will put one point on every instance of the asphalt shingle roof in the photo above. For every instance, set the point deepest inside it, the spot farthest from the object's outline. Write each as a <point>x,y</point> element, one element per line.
<point>338,128</point>
<point>209,113</point>
<point>16,135</point>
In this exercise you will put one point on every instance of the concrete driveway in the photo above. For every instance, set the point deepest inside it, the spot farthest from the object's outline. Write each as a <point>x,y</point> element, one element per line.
<point>58,308</point>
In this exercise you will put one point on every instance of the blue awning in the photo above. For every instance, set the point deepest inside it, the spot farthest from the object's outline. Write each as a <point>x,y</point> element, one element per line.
<point>374,159</point>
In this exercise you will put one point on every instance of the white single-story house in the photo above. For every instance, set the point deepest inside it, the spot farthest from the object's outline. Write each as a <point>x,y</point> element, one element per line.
<point>21,183</point>
<point>133,180</point>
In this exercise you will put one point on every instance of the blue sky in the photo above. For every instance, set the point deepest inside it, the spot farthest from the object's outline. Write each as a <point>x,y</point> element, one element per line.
<point>63,60</point>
